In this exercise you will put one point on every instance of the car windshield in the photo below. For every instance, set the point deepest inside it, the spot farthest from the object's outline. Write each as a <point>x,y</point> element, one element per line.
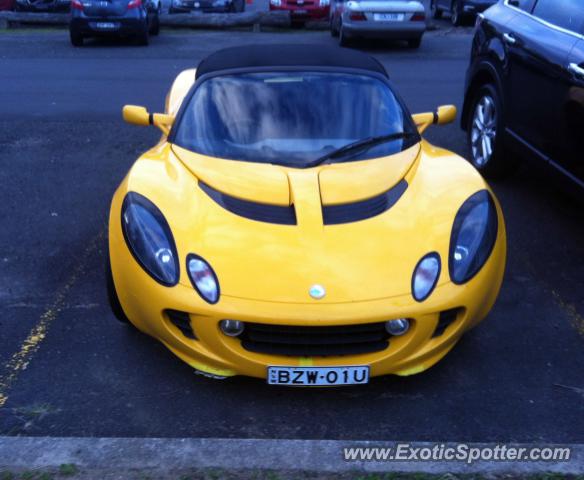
<point>292,118</point>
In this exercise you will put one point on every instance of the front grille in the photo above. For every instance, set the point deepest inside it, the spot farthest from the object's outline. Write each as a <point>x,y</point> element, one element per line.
<point>447,318</point>
<point>314,341</point>
<point>254,211</point>
<point>182,321</point>
<point>353,212</point>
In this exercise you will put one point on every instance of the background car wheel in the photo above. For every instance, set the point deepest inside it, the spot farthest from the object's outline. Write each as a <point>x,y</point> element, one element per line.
<point>334,29</point>
<point>456,16</point>
<point>155,27</point>
<point>76,39</point>
<point>239,5</point>
<point>436,12</point>
<point>343,40</point>
<point>485,130</point>
<point>415,42</point>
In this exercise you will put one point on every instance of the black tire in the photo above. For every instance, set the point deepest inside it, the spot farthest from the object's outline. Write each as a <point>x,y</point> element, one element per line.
<point>155,27</point>
<point>436,12</point>
<point>343,40</point>
<point>112,295</point>
<point>334,30</point>
<point>415,42</point>
<point>456,15</point>
<point>497,164</point>
<point>76,39</point>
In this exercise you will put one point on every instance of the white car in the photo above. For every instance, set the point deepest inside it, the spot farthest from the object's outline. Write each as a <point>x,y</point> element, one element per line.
<point>388,19</point>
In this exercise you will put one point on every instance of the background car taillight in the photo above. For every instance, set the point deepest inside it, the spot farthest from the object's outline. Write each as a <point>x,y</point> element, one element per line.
<point>419,17</point>
<point>357,16</point>
<point>76,5</point>
<point>134,3</point>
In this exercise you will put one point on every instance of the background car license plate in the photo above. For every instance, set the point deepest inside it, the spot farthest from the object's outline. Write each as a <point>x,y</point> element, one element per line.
<point>388,17</point>
<point>300,12</point>
<point>105,25</point>
<point>318,376</point>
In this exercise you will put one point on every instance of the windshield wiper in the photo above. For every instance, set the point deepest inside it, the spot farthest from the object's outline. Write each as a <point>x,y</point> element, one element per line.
<point>359,146</point>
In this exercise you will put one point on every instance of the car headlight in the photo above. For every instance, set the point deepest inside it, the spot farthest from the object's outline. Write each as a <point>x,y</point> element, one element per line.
<point>149,239</point>
<point>203,278</point>
<point>324,3</point>
<point>425,276</point>
<point>276,3</point>
<point>473,237</point>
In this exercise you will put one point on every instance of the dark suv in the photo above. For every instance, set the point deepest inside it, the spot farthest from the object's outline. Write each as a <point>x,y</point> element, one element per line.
<point>460,10</point>
<point>525,87</point>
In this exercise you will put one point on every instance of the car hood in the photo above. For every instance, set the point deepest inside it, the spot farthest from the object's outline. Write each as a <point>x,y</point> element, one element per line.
<point>362,260</point>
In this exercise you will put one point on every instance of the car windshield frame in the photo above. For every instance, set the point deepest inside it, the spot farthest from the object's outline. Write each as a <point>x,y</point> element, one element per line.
<point>408,124</point>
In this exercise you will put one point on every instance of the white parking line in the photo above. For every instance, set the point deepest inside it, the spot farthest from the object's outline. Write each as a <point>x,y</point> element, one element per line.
<point>169,454</point>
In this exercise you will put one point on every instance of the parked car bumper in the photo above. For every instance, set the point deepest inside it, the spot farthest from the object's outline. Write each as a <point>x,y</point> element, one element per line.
<point>304,12</point>
<point>43,6</point>
<point>389,30</point>
<point>189,6</point>
<point>90,26</point>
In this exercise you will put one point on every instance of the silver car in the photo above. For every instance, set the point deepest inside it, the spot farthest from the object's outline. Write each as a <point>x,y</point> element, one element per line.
<point>391,19</point>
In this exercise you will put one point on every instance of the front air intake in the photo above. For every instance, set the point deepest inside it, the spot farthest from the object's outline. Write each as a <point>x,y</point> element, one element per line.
<point>182,321</point>
<point>308,341</point>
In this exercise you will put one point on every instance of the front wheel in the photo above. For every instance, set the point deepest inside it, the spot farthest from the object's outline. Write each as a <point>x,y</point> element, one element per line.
<point>343,39</point>
<point>485,131</point>
<point>436,12</point>
<point>334,30</point>
<point>456,16</point>
<point>155,26</point>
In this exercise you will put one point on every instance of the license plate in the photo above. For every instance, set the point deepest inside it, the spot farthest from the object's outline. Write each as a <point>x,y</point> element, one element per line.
<point>318,376</point>
<point>388,17</point>
<point>299,12</point>
<point>105,25</point>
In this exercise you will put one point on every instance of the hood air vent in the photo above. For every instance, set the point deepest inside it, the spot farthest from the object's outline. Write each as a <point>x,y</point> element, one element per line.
<point>353,212</point>
<point>261,212</point>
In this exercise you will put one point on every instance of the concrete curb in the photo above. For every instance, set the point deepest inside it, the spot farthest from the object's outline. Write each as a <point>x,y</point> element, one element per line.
<point>170,454</point>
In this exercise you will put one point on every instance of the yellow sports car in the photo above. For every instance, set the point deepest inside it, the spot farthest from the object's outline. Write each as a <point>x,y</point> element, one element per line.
<point>293,225</point>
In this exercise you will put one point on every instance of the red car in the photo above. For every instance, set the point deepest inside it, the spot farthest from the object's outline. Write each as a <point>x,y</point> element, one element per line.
<point>6,4</point>
<point>302,10</point>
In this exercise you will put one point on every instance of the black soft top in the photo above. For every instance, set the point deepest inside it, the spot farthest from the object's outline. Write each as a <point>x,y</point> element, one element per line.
<point>287,56</point>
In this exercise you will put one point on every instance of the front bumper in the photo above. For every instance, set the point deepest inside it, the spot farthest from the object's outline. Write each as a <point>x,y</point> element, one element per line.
<point>304,12</point>
<point>144,302</point>
<point>388,30</point>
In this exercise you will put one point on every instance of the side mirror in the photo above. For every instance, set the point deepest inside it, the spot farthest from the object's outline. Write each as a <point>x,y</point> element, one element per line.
<point>444,115</point>
<point>136,115</point>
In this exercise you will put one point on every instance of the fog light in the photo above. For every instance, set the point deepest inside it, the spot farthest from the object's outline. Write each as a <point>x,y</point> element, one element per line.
<point>397,327</point>
<point>231,328</point>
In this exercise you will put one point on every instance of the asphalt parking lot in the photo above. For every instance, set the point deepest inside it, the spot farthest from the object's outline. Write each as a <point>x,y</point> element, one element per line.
<point>518,377</point>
